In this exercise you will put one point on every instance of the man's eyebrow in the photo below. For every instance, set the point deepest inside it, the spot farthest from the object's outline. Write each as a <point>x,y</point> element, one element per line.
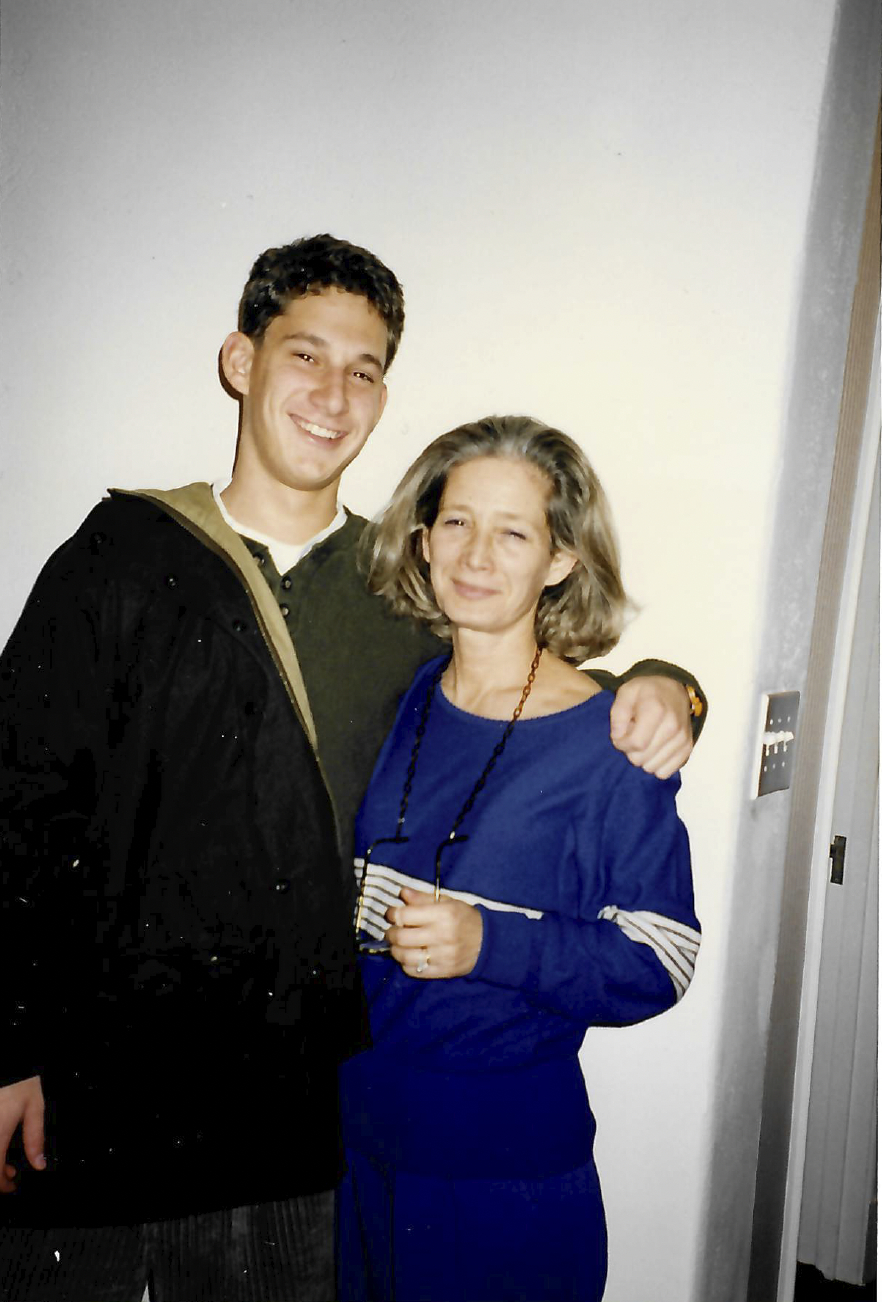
<point>318,342</point>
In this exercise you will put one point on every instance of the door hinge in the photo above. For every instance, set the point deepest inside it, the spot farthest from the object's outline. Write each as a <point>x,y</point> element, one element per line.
<point>837,860</point>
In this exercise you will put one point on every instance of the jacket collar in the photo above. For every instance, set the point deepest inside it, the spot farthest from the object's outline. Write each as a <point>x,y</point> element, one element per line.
<point>195,509</point>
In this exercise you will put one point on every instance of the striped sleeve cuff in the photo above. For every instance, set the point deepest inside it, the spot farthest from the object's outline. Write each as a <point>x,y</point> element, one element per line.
<point>674,944</point>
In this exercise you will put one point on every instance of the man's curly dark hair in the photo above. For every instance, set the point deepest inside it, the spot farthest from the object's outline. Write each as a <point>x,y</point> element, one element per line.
<point>310,265</point>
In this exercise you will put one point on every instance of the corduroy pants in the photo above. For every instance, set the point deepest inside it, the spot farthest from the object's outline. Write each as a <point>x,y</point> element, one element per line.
<point>272,1252</point>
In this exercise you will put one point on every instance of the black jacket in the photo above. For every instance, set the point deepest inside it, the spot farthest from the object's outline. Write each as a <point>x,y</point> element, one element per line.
<point>177,945</point>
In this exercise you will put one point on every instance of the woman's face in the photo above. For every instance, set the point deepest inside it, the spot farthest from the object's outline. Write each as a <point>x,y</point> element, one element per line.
<point>489,550</point>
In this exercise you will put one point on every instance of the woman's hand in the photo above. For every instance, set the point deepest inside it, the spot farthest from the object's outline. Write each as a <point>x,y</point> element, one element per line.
<point>432,940</point>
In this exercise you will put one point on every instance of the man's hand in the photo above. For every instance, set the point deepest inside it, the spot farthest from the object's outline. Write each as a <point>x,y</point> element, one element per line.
<point>434,940</point>
<point>21,1104</point>
<point>650,722</point>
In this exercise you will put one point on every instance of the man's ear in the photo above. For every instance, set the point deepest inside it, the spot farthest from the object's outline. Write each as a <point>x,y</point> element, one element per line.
<point>384,394</point>
<point>237,355</point>
<point>562,563</point>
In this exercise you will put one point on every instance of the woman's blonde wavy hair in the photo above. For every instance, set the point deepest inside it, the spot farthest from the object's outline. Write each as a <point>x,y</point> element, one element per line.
<point>577,619</point>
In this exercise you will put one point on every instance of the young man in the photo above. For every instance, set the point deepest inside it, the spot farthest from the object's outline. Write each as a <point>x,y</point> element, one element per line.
<point>193,700</point>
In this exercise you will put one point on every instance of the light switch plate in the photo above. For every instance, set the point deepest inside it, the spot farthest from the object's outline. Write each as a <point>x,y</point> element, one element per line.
<point>776,745</point>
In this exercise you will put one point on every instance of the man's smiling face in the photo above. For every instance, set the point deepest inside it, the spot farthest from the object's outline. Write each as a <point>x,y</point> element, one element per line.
<point>312,390</point>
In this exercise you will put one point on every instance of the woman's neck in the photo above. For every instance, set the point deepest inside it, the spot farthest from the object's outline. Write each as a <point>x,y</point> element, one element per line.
<point>488,671</point>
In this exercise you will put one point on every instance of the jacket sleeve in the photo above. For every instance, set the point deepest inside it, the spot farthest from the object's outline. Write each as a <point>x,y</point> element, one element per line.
<point>650,669</point>
<point>50,714</point>
<point>631,951</point>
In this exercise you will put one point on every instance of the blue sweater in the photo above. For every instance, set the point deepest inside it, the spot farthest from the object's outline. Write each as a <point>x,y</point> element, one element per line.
<point>580,868</point>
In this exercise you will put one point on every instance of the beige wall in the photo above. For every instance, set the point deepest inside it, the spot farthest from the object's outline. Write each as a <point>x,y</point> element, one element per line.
<point>599,214</point>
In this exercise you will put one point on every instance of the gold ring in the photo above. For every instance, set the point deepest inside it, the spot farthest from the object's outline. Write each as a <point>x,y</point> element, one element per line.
<point>423,963</point>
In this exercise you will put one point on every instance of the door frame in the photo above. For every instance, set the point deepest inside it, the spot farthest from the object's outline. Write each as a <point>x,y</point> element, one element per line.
<point>819,872</point>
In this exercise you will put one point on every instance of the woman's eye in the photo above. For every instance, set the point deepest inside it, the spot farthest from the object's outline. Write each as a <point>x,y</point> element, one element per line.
<point>304,357</point>
<point>515,533</point>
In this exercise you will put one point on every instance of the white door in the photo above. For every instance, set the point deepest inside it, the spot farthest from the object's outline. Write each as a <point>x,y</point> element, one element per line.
<point>839,1182</point>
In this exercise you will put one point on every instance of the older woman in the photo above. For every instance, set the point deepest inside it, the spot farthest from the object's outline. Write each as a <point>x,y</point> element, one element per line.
<point>525,881</point>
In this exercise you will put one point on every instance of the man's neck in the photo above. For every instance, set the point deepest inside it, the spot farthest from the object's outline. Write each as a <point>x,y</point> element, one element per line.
<point>284,513</point>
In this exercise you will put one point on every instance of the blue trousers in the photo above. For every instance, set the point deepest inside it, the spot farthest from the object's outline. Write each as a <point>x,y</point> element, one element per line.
<point>414,1238</point>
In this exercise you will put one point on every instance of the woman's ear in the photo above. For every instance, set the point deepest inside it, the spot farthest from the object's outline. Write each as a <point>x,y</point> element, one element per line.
<point>562,564</point>
<point>424,543</point>
<point>237,355</point>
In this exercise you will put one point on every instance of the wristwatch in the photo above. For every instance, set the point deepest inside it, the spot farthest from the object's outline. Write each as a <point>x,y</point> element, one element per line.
<point>696,704</point>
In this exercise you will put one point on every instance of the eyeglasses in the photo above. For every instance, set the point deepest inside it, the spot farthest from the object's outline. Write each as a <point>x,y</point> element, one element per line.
<point>380,888</point>
<point>375,895</point>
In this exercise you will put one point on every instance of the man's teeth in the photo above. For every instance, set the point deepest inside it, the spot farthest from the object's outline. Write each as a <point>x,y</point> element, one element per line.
<point>320,431</point>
